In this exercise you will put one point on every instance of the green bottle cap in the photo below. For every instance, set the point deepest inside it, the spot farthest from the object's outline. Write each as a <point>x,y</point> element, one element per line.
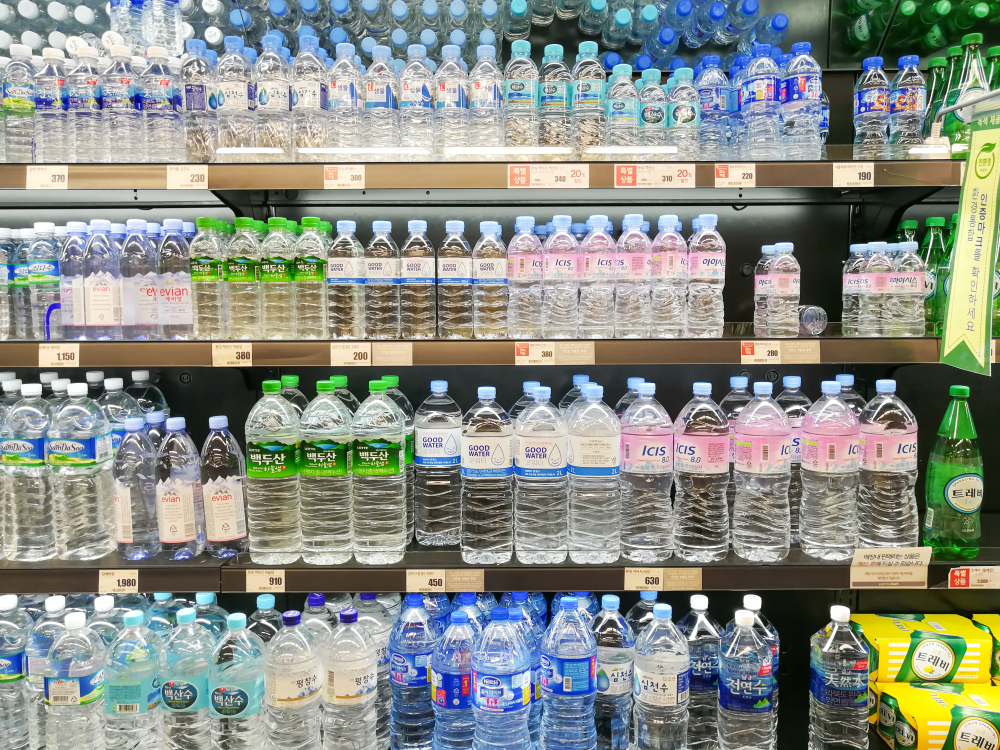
<point>937,62</point>
<point>959,391</point>
<point>909,224</point>
<point>326,227</point>
<point>972,39</point>
<point>311,222</point>
<point>954,52</point>
<point>980,10</point>
<point>259,226</point>
<point>204,222</point>
<point>377,386</point>
<point>935,221</point>
<point>992,51</point>
<point>907,8</point>
<point>271,386</point>
<point>324,386</point>
<point>943,7</point>
<point>276,222</point>
<point>243,222</point>
<point>391,380</point>
<point>290,381</point>
<point>339,381</point>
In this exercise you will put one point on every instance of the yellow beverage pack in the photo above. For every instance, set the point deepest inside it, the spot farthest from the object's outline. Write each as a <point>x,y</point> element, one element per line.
<point>925,648</point>
<point>991,625</point>
<point>922,716</point>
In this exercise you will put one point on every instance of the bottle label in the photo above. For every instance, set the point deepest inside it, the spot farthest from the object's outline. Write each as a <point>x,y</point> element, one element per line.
<point>234,96</point>
<point>569,676</point>
<point>409,670</point>
<point>930,284</point>
<point>454,271</point>
<point>907,99</point>
<point>757,454</point>
<point>539,457</point>
<point>380,95</point>
<point>196,99</point>
<point>502,693</point>
<point>308,268</point>
<point>489,271</point>
<point>241,270</point>
<point>129,697</point>
<point>225,509</point>
<point>347,686</point>
<point>342,94</point>
<point>856,283</point>
<point>75,690</point>
<point>829,454</point>
<point>519,93</point>
<point>140,299</point>
<point>451,95</point>
<point>438,447</point>
<point>293,687</point>
<point>713,99</point>
<point>486,95</point>
<point>102,295</point>
<point>871,100</point>
<point>525,267</point>
<point>796,440</point>
<point>19,275</point>
<point>78,451</point>
<point>894,453</point>
<point>117,435</point>
<point>413,94</point>
<point>43,272</point>
<point>845,689</point>
<point>12,667</point>
<point>487,457</point>
<point>706,265</point>
<point>51,96</point>
<point>239,700</point>
<point>309,95</point>
<point>683,114</point>
<point>324,458</point>
<point>595,456</point>
<point>377,458</point>
<point>123,513</point>
<point>759,89</point>
<point>5,270</point>
<point>158,96</point>
<point>701,454</point>
<point>184,695</point>
<point>614,670</point>
<point>451,690</point>
<point>633,266</point>
<point>777,283</point>
<point>806,87</point>
<point>272,460</point>
<point>176,501</point>
<point>745,692</point>
<point>174,306</point>
<point>906,283</point>
<point>277,269</point>
<point>553,95</point>
<point>274,96</point>
<point>121,95</point>
<point>705,669</point>
<point>662,689</point>
<point>417,270</point>
<point>964,493</point>
<point>382,271</point>
<point>345,271</point>
<point>561,266</point>
<point>599,266</point>
<point>588,93</point>
<point>19,99</point>
<point>85,96</point>
<point>622,111</point>
<point>647,454</point>
<point>670,265</point>
<point>23,451</point>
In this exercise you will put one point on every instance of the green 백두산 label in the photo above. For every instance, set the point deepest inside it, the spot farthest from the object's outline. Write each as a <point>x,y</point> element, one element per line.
<point>272,460</point>
<point>243,270</point>
<point>409,448</point>
<point>277,269</point>
<point>377,458</point>
<point>207,269</point>
<point>324,458</point>
<point>310,269</point>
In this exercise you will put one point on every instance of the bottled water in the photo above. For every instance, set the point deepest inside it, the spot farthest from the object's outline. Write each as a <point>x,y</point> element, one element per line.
<point>531,628</point>
<point>277,287</point>
<point>378,622</point>
<point>272,486</point>
<point>850,396</point>
<point>528,388</point>
<point>554,99</point>
<point>701,513</point>
<point>615,655</point>
<point>378,465</point>
<point>135,495</point>
<point>801,108</point>
<point>416,104</point>
<point>52,142</point>
<point>162,615</point>
<point>451,113</point>
<point>180,504</point>
<point>382,102</point>
<point>454,279</point>
<point>517,24</point>
<point>763,288</point>
<point>107,620</point>
<point>42,258</point>
<point>622,109</point>
<point>704,636</point>
<point>351,687</point>
<point>417,291</point>
<point>647,473</point>
<point>309,99</point>
<point>48,627</point>
<point>652,112</point>
<point>293,684</point>
<point>223,476</point>
<point>747,716</point>
<point>74,687</point>
<point>272,80</point>
<point>381,292</point>
<point>487,467</point>
<point>412,643</point>
<point>102,284</point>
<point>617,29</point>
<point>762,471</point>
<point>162,124</point>
<point>828,518</point>
<point>594,458</point>
<point>520,100</point>
<point>139,286</point>
<point>437,491</point>
<point>525,273</point>
<point>466,602</point>
<point>209,614</point>
<point>587,94</point>
<point>684,116</point>
<point>713,88</point>
<point>887,506</point>
<point>871,111</point>
<point>309,252</point>
<point>265,622</point>
<point>78,448</point>
<point>877,303</point>
<point>630,396</point>
<point>404,405</point>
<point>706,280</point>
<point>451,675</point>
<point>486,116</point>
<point>906,107</point>
<point>706,22</point>
<point>148,396</point>
<point>22,294</point>
<point>84,116</point>
<point>7,251</point>
<point>15,629</point>
<point>242,276</point>
<point>838,695</point>
<point>173,266</point>
<point>132,685</point>
<point>662,677</point>
<point>318,620</point>
<point>906,285</point>
<point>236,687</point>
<point>784,275</point>
<point>345,278</point>
<point>19,105</point>
<point>760,105</point>
<point>346,101</point>
<point>561,273</point>
<point>796,404</point>
<point>634,265</point>
<point>489,283</point>
<point>668,299</point>
<point>200,87</point>
<point>156,429</point>
<point>853,282</point>
<point>569,684</point>
<point>540,485</point>
<point>501,683</point>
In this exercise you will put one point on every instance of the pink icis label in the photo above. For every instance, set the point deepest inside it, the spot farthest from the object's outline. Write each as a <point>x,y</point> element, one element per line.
<point>757,454</point>
<point>830,454</point>
<point>562,266</point>
<point>635,266</point>
<point>892,453</point>
<point>787,283</point>
<point>670,265</point>
<point>599,266</point>
<point>796,444</point>
<point>647,454</point>
<point>525,267</point>
<point>873,283</point>
<point>763,285</point>
<point>707,265</point>
<point>857,283</point>
<point>701,454</point>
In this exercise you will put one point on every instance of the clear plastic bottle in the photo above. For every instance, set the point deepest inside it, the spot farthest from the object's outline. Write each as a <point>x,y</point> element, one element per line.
<point>713,87</point>
<point>701,471</point>
<point>801,104</point>
<point>796,404</point>
<point>828,517</point>
<point>615,655</point>
<point>501,683</point>
<point>451,674</point>
<point>7,250</point>
<point>155,429</point>
<point>517,20</point>
<point>838,691</point>
<point>132,685</point>
<point>46,629</point>
<point>871,111</point>
<point>641,614</point>
<point>417,289</point>
<point>853,282</point>
<point>85,126</point>
<point>525,273</point>
<point>278,289</point>
<point>173,266</point>
<point>139,285</point>
<point>350,659</point>
<point>554,99</point>
<point>416,105</point>
<point>634,267</point>
<point>662,683</point>
<point>74,687</point>
<point>906,285</point>
<point>763,288</point>
<point>309,100</point>
<point>486,116</point>
<point>760,106</point>
<point>22,295</point>
<point>265,621</point>
<point>381,292</point>
<point>382,103</point>
<point>378,622</point>
<point>587,97</point>
<point>242,278</point>
<point>43,282</point>
<point>684,116</point>
<point>876,299</point>
<point>747,716</point>
<point>617,28</point>
<point>454,281</point>
<point>162,123</point>
<point>412,643</point>
<point>272,486</point>
<point>52,142</point>
<point>19,105</point>
<point>520,99</point>
<point>272,80</point>
<point>180,506</point>
<point>161,617</point>
<point>531,628</point>
<point>437,468</point>
<point>907,108</point>
<point>621,110</point>
<point>199,92</point>
<point>209,614</point>
<point>451,113</point>
<point>569,679</point>
<point>404,405</point>
<point>148,396</point>
<point>629,397</point>
<point>489,283</point>
<point>108,620</point>
<point>704,637</point>
<point>102,284</point>
<point>293,684</point>
<point>345,278</point>
<point>346,103</point>
<point>236,686</point>
<point>135,496</point>
<point>784,274</point>
<point>652,113</point>
<point>668,297</point>
<point>561,273</point>
<point>319,620</point>
<point>15,629</point>
<point>309,252</point>
<point>706,280</point>
<point>223,476</point>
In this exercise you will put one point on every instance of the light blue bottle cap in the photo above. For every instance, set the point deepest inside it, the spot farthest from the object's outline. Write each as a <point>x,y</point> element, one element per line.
<point>398,35</point>
<point>662,611</point>
<point>429,8</point>
<point>271,43</point>
<point>344,49</point>
<point>454,226</point>
<point>439,386</point>
<point>369,6</point>
<point>598,6</point>
<point>709,220</point>
<point>236,621</point>
<point>829,387</point>
<point>220,422</point>
<point>651,75</point>
<point>340,6</point>
<point>249,53</point>
<point>489,10</point>
<point>186,616</point>
<point>134,618</point>
<point>648,596</point>
<point>592,390</point>
<point>457,9</point>
<point>486,41</point>
<point>521,48</point>
<point>648,13</point>
<point>194,46</point>
<point>459,616</point>
<point>859,249</point>
<point>173,225</point>
<point>155,417</point>
<point>877,247</point>
<point>81,226</point>
<point>623,17</point>
<point>265,601</point>
<point>428,38</point>
<point>381,52</point>
<point>417,52</point>
<point>588,48</point>
<point>134,424</point>
<point>791,381</point>
<point>562,221</point>
<point>239,18</point>
<point>498,614</point>
<point>767,250</point>
<point>277,7</point>
<point>368,45</point>
<point>872,62</point>
<point>610,601</point>
<point>683,74</point>
<point>162,596</point>
<point>524,223</point>
<point>633,383</point>
<point>738,381</point>
<point>189,227</point>
<point>399,10</point>
<point>845,379</point>
<point>486,392</point>
<point>103,225</point>
<point>763,388</point>
<point>204,597</point>
<point>453,50</point>
<point>885,386</point>
<point>622,69</point>
<point>414,600</point>
<point>569,602</point>
<point>416,225</point>
<point>667,221</point>
<point>554,50</point>
<point>515,614</point>
<point>381,227</point>
<point>176,423</point>
<point>632,220</point>
<point>646,389</point>
<point>906,61</point>
<point>702,389</point>
<point>541,393</point>
<point>485,227</point>
<point>346,226</point>
<point>783,247</point>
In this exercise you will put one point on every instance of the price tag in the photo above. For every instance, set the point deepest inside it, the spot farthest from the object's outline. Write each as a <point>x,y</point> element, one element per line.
<point>760,352</point>
<point>465,579</point>
<point>344,177</point>
<point>901,568</point>
<point>735,175</point>
<point>58,355</point>
<point>574,353</point>
<point>854,174</point>
<point>392,355</point>
<point>351,354</point>
<point>643,579</point>
<point>187,177</point>
<point>269,581</point>
<point>534,353</point>
<point>548,175</point>
<point>232,354</point>
<point>682,579</point>
<point>804,352</point>
<point>974,577</point>
<point>118,582</point>
<point>654,175</point>
<point>46,177</point>
<point>427,581</point>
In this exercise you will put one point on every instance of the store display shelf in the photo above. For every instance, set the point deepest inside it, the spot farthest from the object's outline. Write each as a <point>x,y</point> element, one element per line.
<point>61,576</point>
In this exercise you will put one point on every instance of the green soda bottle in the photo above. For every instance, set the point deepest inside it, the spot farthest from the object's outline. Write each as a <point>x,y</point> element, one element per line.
<point>907,231</point>
<point>954,484</point>
<point>993,67</point>
<point>949,235</point>
<point>930,15</point>
<point>963,17</point>
<point>933,253</point>
<point>936,82</point>
<point>995,327</point>
<point>971,81</point>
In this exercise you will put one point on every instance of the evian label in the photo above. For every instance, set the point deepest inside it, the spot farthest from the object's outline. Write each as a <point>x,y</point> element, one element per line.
<point>759,454</point>
<point>648,454</point>
<point>175,511</point>
<point>175,299</point>
<point>562,266</point>
<point>706,265</point>
<point>140,300</point>
<point>487,456</point>
<point>123,513</point>
<point>102,293</point>
<point>525,267</point>
<point>225,516</point>
<point>701,454</point>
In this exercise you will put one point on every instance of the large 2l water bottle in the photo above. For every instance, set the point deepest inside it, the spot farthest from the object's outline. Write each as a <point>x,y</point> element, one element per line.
<point>569,680</point>
<point>351,659</point>
<point>704,637</point>
<point>15,629</point>
<point>236,687</point>
<point>451,675</point>
<point>375,618</point>
<point>662,683</point>
<point>746,684</point>
<point>838,679</point>
<point>437,468</point>
<point>615,656</point>
<point>74,687</point>
<point>184,661</point>
<point>411,647</point>
<point>132,685</point>
<point>293,684</point>
<point>501,683</point>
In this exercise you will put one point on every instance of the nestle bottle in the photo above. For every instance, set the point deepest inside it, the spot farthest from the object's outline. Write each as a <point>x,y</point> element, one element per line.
<point>451,675</point>
<point>871,111</point>
<point>569,684</point>
<point>411,647</point>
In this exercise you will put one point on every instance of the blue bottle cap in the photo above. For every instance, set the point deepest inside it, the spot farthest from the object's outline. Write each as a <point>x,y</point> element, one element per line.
<point>454,226</point>
<point>348,615</point>
<point>439,386</point>
<point>367,596</point>
<point>134,424</point>
<point>467,597</point>
<point>844,378</point>
<point>381,227</point>
<point>414,600</point>
<point>648,596</point>
<point>236,621</point>
<point>186,616</point>
<point>161,596</point>
<point>702,389</point>
<point>316,600</point>
<point>885,386</point>
<point>134,618</point>
<point>763,388</point>
<point>176,423</point>
<point>792,381</point>
<point>610,601</point>
<point>779,22</point>
<point>829,387</point>
<point>872,62</point>
<point>291,618</point>
<point>909,61</point>
<point>662,611</point>
<point>498,613</point>
<point>459,616</point>
<point>569,602</point>
<point>804,48</point>
<point>647,389</point>
<point>486,392</point>
<point>204,597</point>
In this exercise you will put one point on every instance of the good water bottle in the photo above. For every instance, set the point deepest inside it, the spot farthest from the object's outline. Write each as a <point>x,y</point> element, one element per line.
<point>180,506</point>
<point>784,275</point>
<point>615,655</point>
<point>412,643</point>
<point>662,683</point>
<point>293,684</point>
<point>272,486</point>
<point>135,496</point>
<point>454,282</point>
<point>668,299</point>
<point>351,685</point>
<point>236,686</point>
<point>378,622</point>
<point>828,517</point>
<point>704,636</point>
<point>501,683</point>
<point>569,680</point>
<point>540,485</point>
<point>850,396</point>
<point>701,466</point>
<point>486,117</point>
<point>162,124</point>
<point>437,491</point>
<point>887,505</point>
<point>489,283</point>
<point>345,278</point>
<point>42,259</point>
<point>598,257</point>
<point>906,108</point>
<point>796,404</point>
<point>132,685</point>
<point>381,293</point>
<point>528,389</point>
<point>587,96</point>
<point>223,477</point>
<point>520,99</point>
<point>762,471</point>
<point>561,264</point>
<point>378,464</point>
<point>15,629</point>
<point>417,299</point>
<point>594,458</point>
<point>74,687</point>
<point>525,274</point>
<point>706,280</point>
<point>838,691</point>
<point>746,711</point>
<point>487,468</point>
<point>451,675</point>
<point>634,265</point>
<point>801,104</point>
<point>871,111</point>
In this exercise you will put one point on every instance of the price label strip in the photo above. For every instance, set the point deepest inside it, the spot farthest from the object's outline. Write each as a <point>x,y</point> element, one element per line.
<point>350,354</point>
<point>654,175</point>
<point>554,353</point>
<point>270,581</point>
<point>118,582</point>
<point>426,581</point>
<point>548,175</point>
<point>779,352</point>
<point>857,174</point>
<point>974,577</point>
<point>643,579</point>
<point>901,568</point>
<point>46,177</point>
<point>735,175</point>
<point>235,354</point>
<point>465,579</point>
<point>344,177</point>
<point>392,354</point>
<point>58,355</point>
<point>187,177</point>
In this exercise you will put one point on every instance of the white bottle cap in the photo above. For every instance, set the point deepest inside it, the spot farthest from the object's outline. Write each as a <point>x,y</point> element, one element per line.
<point>20,50</point>
<point>55,603</point>
<point>76,620</point>
<point>120,50</point>
<point>61,384</point>
<point>57,39</point>
<point>213,36</point>
<point>87,52</point>
<point>28,9</point>
<point>9,375</point>
<point>113,384</point>
<point>744,618</point>
<point>95,376</point>
<point>8,602</point>
<point>699,601</point>
<point>111,39</point>
<point>47,377</point>
<point>31,40</point>
<point>51,53</point>
<point>76,390</point>
<point>752,602</point>
<point>152,52</point>
<point>11,385</point>
<point>104,603</point>
<point>45,226</point>
<point>140,374</point>
<point>839,613</point>
<point>57,11</point>
<point>31,390</point>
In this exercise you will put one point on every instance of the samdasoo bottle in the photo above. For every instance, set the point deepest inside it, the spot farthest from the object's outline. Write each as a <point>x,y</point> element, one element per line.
<point>132,686</point>
<point>524,274</point>
<point>223,482</point>
<point>615,655</point>
<point>411,648</point>
<point>437,490</point>
<point>662,683</point>
<point>838,685</point>
<point>349,699</point>
<point>293,685</point>
<point>74,687</point>
<point>381,284</point>
<point>345,279</point>
<point>180,505</point>
<point>134,473</point>
<point>569,680</point>
<point>417,308</point>
<point>236,687</point>
<point>451,675</point>
<point>704,637</point>
<point>796,404</point>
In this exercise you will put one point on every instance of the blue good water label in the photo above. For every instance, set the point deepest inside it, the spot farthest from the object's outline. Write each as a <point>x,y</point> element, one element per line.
<point>51,96</point>
<point>746,688</point>
<point>847,688</point>
<point>518,92</point>
<point>655,689</point>
<point>485,95</point>
<point>501,693</point>
<point>43,272</point>
<point>553,95</point>
<point>85,95</point>
<point>540,457</point>
<point>197,99</point>
<point>417,270</point>
<point>622,111</point>
<point>714,99</point>
<point>594,456</point>
<point>409,670</point>
<point>759,89</point>
<point>78,451</point>
<point>309,95</point>
<point>77,690</point>
<point>438,447</point>
<point>451,690</point>
<point>907,99</point>
<point>129,697</point>
<point>587,93</point>
<point>803,88</point>
<point>184,694</point>
<point>614,670</point>
<point>705,669</point>
<point>683,113</point>
<point>342,94</point>
<point>653,114</point>
<point>23,451</point>
<point>569,676</point>
<point>120,94</point>
<point>19,98</point>
<point>489,271</point>
<point>379,95</point>
<point>274,96</point>
<point>414,94</point>
<point>159,96</point>
<point>871,100</point>
<point>345,271</point>
<point>451,95</point>
<point>12,667</point>
<point>454,271</point>
<point>487,457</point>
<point>235,700</point>
<point>116,439</point>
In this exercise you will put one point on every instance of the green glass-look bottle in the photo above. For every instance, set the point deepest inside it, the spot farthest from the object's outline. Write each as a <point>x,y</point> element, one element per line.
<point>907,231</point>
<point>949,234</point>
<point>971,82</point>
<point>964,17</point>
<point>933,253</point>
<point>993,67</point>
<point>954,484</point>
<point>936,82</point>
<point>942,290</point>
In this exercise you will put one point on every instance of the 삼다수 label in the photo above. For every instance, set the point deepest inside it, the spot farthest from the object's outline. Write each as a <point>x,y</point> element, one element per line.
<point>701,454</point>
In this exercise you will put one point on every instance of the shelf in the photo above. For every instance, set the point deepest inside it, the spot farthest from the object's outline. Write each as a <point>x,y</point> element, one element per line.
<point>60,576</point>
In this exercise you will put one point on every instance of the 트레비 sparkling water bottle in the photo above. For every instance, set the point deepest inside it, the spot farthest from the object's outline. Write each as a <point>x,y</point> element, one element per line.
<point>704,638</point>
<point>662,683</point>
<point>569,685</point>
<point>437,474</point>
<point>615,654</point>
<point>746,684</point>
<point>451,675</point>
<point>236,687</point>
<point>411,648</point>
<point>838,685</point>
<point>293,684</point>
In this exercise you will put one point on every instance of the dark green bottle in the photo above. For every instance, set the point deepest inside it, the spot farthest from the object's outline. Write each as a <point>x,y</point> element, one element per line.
<point>949,234</point>
<point>933,252</point>
<point>942,290</point>
<point>929,15</point>
<point>907,231</point>
<point>936,82</point>
<point>963,17</point>
<point>993,67</point>
<point>969,82</point>
<point>954,484</point>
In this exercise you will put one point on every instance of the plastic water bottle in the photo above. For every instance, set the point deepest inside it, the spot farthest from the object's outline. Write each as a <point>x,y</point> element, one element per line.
<point>554,99</point>
<point>161,617</point>
<point>272,486</point>
<point>527,399</point>
<point>487,468</point>
<point>662,683</point>
<point>346,101</point>
<point>416,104</point>
<point>265,621</point>
<point>52,142</point>
<point>15,628</point>
<point>706,280</point>
<point>713,88</point>
<point>746,685</point>
<point>345,278</point>
<point>652,110</point>
<point>569,680</point>
<point>173,266</point>
<point>162,123</point>
<point>241,272</point>
<point>412,643</point>
<point>760,105</point>
<point>382,102</point>
<point>437,468</point>
<point>486,116</point>
<point>629,396</point>
<point>199,91</point>
<point>318,620</point>
<point>531,629</point>
<point>209,614</point>
<point>525,274</point>
<point>451,675</point>
<point>139,286</point>
<point>180,506</point>
<point>634,266</point>
<point>378,622</point>
<point>293,684</point>
<point>309,100</point>
<point>350,694</point>
<point>704,637</point>
<point>784,275</point>
<point>7,251</point>
<point>378,464</point>
<point>641,614</point>
<point>135,493</point>
<point>108,620</point>
<point>454,280</point>
<point>763,288</point>
<point>48,627</point>
<point>701,466</point>
<point>309,251</point>
<point>828,517</point>
<point>668,298</point>
<point>74,687</point>
<point>876,297</point>
<point>596,265</point>
<point>887,506</point>
<point>451,105</point>
<point>277,276</point>
<point>417,289</point>
<point>501,683</point>
<point>684,115</point>
<point>906,284</point>
<point>381,291</point>
<point>404,406</point>
<point>906,108</point>
<point>478,619</point>
<point>22,294</point>
<point>521,97</point>
<point>540,489</point>
<point>587,95</point>
<point>272,80</point>
<point>796,404</point>
<point>156,429</point>
<point>85,128</point>
<point>236,686</point>
<point>838,693</point>
<point>561,264</point>
<point>621,109</point>
<point>42,266</point>
<point>871,111</point>
<point>19,105</point>
<point>802,94</point>
<point>132,684</point>
<point>615,655</point>
<point>853,282</point>
<point>489,283</point>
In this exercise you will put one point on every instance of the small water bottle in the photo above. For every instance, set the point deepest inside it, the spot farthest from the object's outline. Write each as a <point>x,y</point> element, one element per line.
<point>437,468</point>
<point>489,283</point>
<point>871,111</point>
<point>784,277</point>
<point>801,108</point>
<point>569,684</point>
<point>615,655</point>
<point>746,684</point>
<point>486,117</point>
<point>451,112</point>
<point>708,19</point>
<point>906,108</point>
<point>633,270</point>
<point>162,123</point>
<point>838,684</point>
<point>521,95</point>
<point>272,80</point>
<point>180,504</point>
<point>417,293</point>
<point>454,281</point>
<point>134,472</point>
